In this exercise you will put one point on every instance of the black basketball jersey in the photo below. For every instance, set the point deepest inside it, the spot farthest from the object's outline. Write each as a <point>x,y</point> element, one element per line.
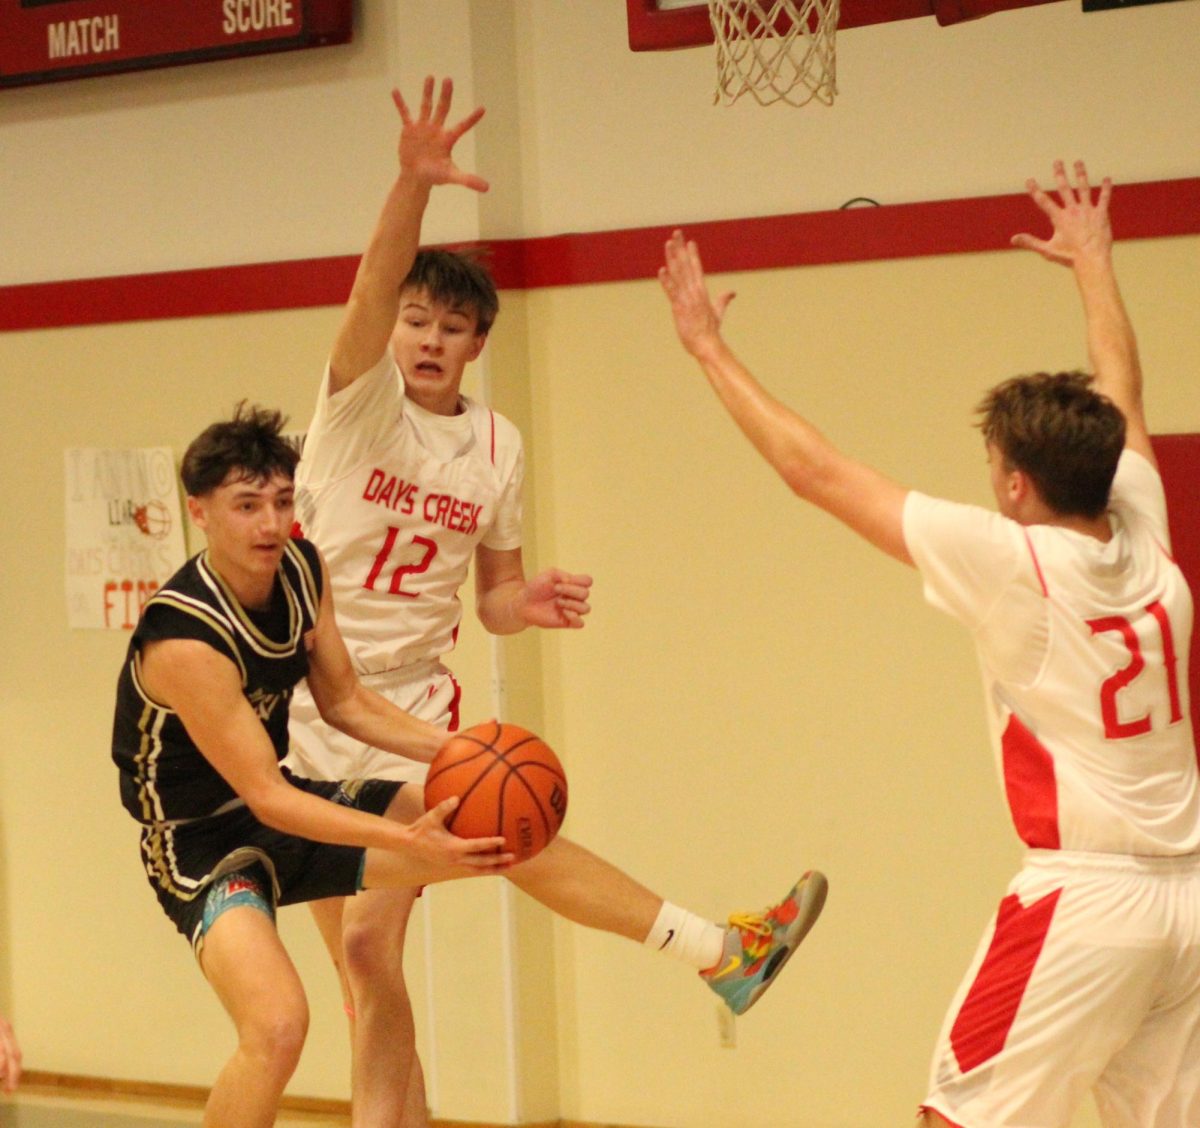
<point>164,776</point>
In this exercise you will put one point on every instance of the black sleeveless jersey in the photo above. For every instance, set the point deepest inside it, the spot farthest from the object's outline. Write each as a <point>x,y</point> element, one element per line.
<point>164,776</point>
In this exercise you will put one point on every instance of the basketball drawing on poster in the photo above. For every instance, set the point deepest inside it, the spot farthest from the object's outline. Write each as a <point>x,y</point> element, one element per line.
<point>124,532</point>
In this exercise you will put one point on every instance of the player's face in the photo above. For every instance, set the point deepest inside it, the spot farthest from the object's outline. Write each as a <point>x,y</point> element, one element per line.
<point>247,522</point>
<point>433,343</point>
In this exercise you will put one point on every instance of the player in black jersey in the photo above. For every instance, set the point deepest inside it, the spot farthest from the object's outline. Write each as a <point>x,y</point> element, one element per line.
<point>200,728</point>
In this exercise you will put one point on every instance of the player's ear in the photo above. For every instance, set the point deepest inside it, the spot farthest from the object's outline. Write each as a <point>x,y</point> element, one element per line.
<point>196,511</point>
<point>1020,487</point>
<point>477,346</point>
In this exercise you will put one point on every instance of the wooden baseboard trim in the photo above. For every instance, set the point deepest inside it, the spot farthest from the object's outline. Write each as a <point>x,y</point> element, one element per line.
<point>47,1083</point>
<point>75,1085</point>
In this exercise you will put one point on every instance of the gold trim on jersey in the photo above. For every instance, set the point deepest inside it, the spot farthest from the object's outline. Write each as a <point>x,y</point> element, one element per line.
<point>309,587</point>
<point>150,746</point>
<point>240,620</point>
<point>162,865</point>
<point>158,854</point>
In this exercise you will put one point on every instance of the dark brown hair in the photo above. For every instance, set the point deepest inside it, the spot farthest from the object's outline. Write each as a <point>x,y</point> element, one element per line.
<point>252,442</point>
<point>459,280</point>
<point>1061,432</point>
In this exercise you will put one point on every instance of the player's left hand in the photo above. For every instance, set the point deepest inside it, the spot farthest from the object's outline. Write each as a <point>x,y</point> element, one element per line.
<point>555,598</point>
<point>697,316</point>
<point>427,142</point>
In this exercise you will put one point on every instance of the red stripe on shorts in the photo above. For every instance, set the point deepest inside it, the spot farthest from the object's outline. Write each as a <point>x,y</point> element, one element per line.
<point>1030,785</point>
<point>455,702</point>
<point>987,1013</point>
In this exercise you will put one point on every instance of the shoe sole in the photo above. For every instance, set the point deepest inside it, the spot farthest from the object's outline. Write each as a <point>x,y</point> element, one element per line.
<point>810,903</point>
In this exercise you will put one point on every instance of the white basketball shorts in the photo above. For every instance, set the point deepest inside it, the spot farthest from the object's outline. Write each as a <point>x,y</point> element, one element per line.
<point>318,751</point>
<point>1088,978</point>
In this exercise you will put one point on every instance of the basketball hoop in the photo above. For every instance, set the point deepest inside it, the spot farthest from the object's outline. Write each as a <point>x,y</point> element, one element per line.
<point>777,50</point>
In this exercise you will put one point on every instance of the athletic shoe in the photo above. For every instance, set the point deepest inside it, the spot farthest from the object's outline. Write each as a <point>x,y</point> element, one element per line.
<point>758,945</point>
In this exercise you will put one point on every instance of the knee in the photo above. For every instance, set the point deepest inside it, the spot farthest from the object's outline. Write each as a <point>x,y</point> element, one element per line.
<point>373,952</point>
<point>275,1037</point>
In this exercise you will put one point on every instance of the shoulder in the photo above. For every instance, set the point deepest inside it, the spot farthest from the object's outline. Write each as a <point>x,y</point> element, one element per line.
<point>1137,481</point>
<point>497,435</point>
<point>189,607</point>
<point>934,520</point>
<point>969,557</point>
<point>185,597</point>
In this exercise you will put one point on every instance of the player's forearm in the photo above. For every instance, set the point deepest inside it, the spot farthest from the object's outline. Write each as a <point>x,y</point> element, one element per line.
<point>799,453</point>
<point>364,715</point>
<point>1112,344</point>
<point>500,609</point>
<point>288,809</point>
<point>374,301</point>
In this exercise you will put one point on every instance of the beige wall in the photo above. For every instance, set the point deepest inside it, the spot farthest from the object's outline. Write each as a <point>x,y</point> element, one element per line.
<point>756,691</point>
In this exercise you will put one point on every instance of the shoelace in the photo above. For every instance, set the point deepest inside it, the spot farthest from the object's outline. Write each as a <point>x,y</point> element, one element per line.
<point>754,923</point>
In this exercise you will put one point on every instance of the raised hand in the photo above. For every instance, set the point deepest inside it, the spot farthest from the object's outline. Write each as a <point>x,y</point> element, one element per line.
<point>555,598</point>
<point>427,143</point>
<point>1081,223</point>
<point>697,316</point>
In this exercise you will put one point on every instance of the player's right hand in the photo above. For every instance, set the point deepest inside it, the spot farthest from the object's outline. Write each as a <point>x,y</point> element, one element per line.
<point>449,856</point>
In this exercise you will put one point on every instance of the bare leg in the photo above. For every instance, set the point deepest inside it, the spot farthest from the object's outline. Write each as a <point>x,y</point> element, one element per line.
<point>365,936</point>
<point>328,916</point>
<point>586,889</point>
<point>388,1085</point>
<point>254,978</point>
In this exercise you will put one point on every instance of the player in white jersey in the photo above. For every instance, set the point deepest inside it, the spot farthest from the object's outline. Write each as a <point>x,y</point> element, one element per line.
<point>402,482</point>
<point>1089,976</point>
<point>401,498</point>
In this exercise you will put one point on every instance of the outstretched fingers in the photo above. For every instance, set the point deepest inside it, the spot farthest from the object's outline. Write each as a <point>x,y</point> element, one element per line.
<point>402,107</point>
<point>1078,217</point>
<point>682,279</point>
<point>444,99</point>
<point>426,144</point>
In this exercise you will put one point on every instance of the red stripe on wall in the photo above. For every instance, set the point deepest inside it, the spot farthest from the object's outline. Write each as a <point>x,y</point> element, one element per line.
<point>178,293</point>
<point>860,234</point>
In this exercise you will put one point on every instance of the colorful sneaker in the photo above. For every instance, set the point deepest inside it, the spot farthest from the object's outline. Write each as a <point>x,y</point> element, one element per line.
<point>758,945</point>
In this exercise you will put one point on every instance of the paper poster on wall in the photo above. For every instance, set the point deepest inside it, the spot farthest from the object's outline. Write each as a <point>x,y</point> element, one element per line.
<point>124,532</point>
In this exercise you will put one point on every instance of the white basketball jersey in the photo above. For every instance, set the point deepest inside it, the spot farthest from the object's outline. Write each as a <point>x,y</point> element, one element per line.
<point>1084,652</point>
<point>397,500</point>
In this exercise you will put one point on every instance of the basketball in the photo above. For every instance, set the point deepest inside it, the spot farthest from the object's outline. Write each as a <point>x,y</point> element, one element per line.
<point>509,782</point>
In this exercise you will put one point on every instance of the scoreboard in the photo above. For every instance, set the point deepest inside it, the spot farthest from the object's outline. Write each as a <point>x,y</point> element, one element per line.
<point>50,40</point>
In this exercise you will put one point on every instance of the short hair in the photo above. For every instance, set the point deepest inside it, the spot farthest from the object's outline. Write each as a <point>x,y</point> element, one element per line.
<point>1059,430</point>
<point>457,279</point>
<point>252,442</point>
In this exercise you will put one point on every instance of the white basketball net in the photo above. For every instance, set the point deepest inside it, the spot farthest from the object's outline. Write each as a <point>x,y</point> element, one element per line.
<point>777,50</point>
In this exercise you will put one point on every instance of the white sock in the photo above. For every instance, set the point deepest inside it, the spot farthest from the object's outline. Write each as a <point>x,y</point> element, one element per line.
<point>687,937</point>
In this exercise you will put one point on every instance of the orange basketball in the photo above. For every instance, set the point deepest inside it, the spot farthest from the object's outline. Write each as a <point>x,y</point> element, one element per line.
<point>509,782</point>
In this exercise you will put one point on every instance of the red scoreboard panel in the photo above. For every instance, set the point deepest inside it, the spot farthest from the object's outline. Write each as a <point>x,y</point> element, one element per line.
<point>49,40</point>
